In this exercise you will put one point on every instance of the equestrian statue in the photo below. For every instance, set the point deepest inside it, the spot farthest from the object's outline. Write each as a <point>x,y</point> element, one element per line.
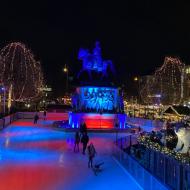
<point>93,62</point>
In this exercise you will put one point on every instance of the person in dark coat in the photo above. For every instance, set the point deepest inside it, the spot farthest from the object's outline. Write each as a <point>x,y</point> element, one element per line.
<point>36,117</point>
<point>77,141</point>
<point>83,128</point>
<point>91,154</point>
<point>84,141</point>
<point>45,114</point>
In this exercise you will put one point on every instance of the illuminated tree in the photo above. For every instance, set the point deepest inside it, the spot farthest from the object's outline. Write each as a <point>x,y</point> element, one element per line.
<point>166,83</point>
<point>149,91</point>
<point>20,73</point>
<point>170,81</point>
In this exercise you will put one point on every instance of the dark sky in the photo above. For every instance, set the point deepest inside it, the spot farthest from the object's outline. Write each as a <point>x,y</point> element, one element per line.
<point>136,35</point>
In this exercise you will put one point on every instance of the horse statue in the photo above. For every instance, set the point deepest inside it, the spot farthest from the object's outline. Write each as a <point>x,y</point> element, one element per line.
<point>93,62</point>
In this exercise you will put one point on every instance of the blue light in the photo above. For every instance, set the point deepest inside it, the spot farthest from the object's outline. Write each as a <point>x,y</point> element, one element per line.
<point>94,62</point>
<point>98,99</point>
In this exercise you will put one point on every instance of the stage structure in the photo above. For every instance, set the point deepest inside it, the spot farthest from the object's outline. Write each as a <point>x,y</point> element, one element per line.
<point>96,101</point>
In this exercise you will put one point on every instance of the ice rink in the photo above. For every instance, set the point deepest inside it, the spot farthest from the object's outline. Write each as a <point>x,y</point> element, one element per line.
<point>33,157</point>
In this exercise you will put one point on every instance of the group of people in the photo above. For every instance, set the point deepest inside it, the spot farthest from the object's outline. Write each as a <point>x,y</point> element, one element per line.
<point>82,136</point>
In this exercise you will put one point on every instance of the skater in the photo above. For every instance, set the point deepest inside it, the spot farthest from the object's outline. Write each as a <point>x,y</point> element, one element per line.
<point>77,141</point>
<point>36,117</point>
<point>84,141</point>
<point>45,114</point>
<point>91,155</point>
<point>83,128</point>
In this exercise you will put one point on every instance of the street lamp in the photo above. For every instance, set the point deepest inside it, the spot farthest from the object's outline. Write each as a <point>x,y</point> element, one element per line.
<point>66,70</point>
<point>136,80</point>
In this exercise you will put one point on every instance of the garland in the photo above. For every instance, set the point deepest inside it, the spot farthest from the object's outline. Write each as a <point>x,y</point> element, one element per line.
<point>145,141</point>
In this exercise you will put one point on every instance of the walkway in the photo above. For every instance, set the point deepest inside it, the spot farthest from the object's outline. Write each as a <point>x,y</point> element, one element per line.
<point>37,158</point>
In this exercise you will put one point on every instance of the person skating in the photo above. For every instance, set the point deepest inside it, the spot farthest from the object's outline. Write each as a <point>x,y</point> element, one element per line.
<point>84,141</point>
<point>91,155</point>
<point>36,117</point>
<point>77,141</point>
<point>44,114</point>
<point>83,128</point>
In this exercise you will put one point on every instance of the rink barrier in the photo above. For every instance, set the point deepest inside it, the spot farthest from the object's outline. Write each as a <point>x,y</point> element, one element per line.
<point>49,116</point>
<point>145,179</point>
<point>7,120</point>
<point>170,172</point>
<point>146,124</point>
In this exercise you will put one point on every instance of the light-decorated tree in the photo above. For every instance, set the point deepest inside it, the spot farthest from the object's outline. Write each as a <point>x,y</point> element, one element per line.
<point>20,73</point>
<point>166,84</point>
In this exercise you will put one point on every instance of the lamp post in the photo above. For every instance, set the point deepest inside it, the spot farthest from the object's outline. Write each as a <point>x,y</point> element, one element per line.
<point>136,80</point>
<point>65,70</point>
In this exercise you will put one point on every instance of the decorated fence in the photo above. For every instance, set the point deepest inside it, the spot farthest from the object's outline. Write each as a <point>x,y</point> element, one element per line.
<point>172,171</point>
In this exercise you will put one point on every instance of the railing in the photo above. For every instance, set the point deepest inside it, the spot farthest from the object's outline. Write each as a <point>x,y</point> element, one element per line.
<point>7,120</point>
<point>49,115</point>
<point>146,124</point>
<point>143,177</point>
<point>126,142</point>
<point>137,159</point>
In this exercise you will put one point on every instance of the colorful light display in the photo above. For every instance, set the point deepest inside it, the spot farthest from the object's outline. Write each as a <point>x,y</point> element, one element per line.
<point>145,141</point>
<point>94,62</point>
<point>99,98</point>
<point>96,101</point>
<point>167,81</point>
<point>20,72</point>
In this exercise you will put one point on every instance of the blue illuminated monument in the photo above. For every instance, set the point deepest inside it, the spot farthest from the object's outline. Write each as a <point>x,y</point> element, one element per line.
<point>93,62</point>
<point>96,97</point>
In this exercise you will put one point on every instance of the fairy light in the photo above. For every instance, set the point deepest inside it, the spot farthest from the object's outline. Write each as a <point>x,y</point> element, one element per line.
<point>9,97</point>
<point>146,141</point>
<point>170,76</point>
<point>21,71</point>
<point>167,81</point>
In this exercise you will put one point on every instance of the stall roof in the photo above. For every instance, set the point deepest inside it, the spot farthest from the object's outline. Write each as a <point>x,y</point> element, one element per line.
<point>177,110</point>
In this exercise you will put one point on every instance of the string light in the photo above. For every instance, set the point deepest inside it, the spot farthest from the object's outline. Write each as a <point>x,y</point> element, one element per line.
<point>20,70</point>
<point>167,81</point>
<point>146,141</point>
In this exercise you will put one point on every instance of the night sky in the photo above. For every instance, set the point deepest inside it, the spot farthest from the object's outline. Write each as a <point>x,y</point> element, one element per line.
<point>136,35</point>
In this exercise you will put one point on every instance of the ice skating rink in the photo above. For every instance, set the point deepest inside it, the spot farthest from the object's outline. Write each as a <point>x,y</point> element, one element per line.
<point>33,157</point>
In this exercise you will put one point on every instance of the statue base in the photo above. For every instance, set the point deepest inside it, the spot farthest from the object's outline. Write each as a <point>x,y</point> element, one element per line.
<point>97,121</point>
